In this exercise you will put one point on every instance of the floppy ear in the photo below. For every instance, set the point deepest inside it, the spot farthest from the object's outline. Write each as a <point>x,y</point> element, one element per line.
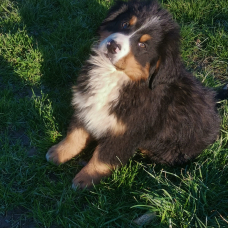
<point>169,63</point>
<point>155,67</point>
<point>113,12</point>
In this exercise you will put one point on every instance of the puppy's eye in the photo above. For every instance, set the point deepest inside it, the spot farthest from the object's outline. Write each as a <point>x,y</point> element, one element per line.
<point>142,45</point>
<point>125,25</point>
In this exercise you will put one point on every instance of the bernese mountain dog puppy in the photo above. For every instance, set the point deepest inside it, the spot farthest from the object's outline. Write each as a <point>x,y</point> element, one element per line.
<point>135,93</point>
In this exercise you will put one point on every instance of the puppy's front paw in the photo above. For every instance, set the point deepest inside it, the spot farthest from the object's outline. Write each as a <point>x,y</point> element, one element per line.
<point>61,152</point>
<point>69,147</point>
<point>53,155</point>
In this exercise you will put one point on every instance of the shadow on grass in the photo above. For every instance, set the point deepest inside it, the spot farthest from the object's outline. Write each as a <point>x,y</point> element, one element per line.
<point>39,63</point>
<point>62,33</point>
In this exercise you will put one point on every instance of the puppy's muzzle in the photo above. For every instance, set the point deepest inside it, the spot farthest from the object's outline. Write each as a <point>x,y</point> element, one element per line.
<point>113,47</point>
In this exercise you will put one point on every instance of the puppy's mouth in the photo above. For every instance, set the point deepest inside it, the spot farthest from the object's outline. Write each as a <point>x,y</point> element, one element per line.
<point>112,62</point>
<point>110,57</point>
<point>112,50</point>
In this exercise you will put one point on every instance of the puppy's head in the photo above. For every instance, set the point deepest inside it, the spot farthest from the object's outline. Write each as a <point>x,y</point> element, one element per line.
<point>137,37</point>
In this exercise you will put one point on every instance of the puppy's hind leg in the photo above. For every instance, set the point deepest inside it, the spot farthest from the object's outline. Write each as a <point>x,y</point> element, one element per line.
<point>93,172</point>
<point>109,154</point>
<point>75,141</point>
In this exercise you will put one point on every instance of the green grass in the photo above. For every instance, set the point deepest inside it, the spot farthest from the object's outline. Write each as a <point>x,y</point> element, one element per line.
<point>43,45</point>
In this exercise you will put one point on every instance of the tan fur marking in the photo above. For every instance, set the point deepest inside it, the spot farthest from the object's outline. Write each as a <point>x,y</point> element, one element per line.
<point>133,20</point>
<point>92,173</point>
<point>145,38</point>
<point>69,147</point>
<point>119,128</point>
<point>158,64</point>
<point>144,151</point>
<point>132,68</point>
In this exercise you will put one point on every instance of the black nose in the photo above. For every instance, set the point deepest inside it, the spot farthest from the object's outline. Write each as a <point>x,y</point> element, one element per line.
<point>113,47</point>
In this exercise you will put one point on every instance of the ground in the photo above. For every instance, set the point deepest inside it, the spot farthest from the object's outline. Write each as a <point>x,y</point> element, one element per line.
<point>43,45</point>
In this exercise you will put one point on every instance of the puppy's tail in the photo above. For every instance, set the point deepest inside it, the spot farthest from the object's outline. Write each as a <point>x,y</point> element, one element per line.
<point>222,94</point>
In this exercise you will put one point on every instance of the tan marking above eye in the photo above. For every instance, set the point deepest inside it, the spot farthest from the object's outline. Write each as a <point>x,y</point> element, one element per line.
<point>145,38</point>
<point>133,20</point>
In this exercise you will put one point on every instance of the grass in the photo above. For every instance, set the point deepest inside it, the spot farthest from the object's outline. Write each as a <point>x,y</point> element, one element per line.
<point>43,45</point>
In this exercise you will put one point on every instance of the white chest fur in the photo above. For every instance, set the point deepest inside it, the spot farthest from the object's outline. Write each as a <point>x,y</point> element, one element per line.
<point>105,83</point>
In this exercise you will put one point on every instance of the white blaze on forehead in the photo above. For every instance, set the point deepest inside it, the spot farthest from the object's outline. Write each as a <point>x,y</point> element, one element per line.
<point>122,40</point>
<point>148,23</point>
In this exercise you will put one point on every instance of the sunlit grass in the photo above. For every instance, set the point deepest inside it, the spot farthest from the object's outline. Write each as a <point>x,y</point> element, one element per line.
<point>43,45</point>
